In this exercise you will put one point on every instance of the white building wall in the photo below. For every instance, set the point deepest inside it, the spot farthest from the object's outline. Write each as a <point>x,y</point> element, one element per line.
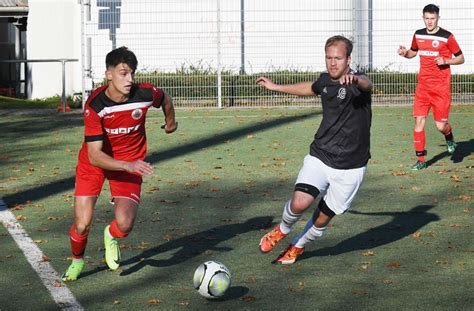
<point>53,32</point>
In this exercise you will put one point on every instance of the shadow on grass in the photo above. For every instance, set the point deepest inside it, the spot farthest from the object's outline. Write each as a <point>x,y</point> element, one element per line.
<point>463,150</point>
<point>402,225</point>
<point>189,246</point>
<point>66,184</point>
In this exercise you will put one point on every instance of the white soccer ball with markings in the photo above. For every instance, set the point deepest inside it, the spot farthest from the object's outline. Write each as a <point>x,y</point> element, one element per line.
<point>212,279</point>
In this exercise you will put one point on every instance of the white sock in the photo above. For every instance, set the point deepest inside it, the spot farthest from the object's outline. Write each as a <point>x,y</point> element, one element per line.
<point>310,233</point>
<point>288,219</point>
<point>78,259</point>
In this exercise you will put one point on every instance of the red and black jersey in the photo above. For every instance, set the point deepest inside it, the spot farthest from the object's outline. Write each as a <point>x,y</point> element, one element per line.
<point>121,126</point>
<point>429,46</point>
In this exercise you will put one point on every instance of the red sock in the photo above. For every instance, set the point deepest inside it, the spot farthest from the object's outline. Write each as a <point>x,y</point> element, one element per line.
<point>78,242</point>
<point>419,140</point>
<point>115,231</point>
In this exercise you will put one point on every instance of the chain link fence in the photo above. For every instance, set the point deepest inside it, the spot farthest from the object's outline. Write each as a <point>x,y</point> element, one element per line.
<point>208,53</point>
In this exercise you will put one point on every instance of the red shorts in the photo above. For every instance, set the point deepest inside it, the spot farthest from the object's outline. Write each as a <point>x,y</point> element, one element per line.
<point>435,96</point>
<point>89,181</point>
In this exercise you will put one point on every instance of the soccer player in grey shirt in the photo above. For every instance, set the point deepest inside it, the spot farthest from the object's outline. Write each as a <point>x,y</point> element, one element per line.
<point>338,156</point>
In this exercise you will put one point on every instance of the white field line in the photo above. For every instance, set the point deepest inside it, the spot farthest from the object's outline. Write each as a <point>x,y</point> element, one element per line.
<point>62,296</point>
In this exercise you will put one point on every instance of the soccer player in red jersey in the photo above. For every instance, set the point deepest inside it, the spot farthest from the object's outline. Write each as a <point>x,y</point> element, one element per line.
<point>114,148</point>
<point>438,50</point>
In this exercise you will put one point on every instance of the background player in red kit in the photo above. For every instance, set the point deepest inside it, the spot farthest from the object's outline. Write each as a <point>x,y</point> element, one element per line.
<point>436,47</point>
<point>114,148</point>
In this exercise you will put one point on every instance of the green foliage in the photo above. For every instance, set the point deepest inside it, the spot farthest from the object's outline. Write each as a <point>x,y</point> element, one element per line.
<point>18,103</point>
<point>201,82</point>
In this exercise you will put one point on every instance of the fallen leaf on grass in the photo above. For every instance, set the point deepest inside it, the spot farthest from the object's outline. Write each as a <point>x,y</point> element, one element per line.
<point>248,298</point>
<point>399,173</point>
<point>441,261</point>
<point>368,253</point>
<point>45,258</point>
<point>154,301</point>
<point>393,264</point>
<point>455,178</point>
<point>358,292</point>
<point>40,241</point>
<point>462,197</point>
<point>458,226</point>
<point>21,218</point>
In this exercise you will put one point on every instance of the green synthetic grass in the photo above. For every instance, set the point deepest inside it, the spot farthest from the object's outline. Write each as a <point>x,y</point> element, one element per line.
<point>220,182</point>
<point>18,103</point>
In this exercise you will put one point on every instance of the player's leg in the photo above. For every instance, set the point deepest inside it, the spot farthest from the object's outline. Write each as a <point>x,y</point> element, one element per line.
<point>125,189</point>
<point>311,180</point>
<point>421,108</point>
<point>89,182</point>
<point>78,234</point>
<point>441,108</point>
<point>344,185</point>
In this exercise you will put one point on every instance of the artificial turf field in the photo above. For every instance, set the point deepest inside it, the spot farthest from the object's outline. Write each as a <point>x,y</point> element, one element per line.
<point>220,183</point>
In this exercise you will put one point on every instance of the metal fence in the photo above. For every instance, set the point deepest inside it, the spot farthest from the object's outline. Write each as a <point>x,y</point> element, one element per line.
<point>208,53</point>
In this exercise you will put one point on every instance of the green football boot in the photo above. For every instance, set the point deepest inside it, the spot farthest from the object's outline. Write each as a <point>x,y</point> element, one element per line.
<point>73,271</point>
<point>112,250</point>
<point>451,146</point>
<point>419,165</point>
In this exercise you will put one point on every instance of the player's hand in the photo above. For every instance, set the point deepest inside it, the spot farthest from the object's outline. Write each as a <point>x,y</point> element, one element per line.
<point>170,128</point>
<point>440,61</point>
<point>266,83</point>
<point>349,79</point>
<point>139,167</point>
<point>402,51</point>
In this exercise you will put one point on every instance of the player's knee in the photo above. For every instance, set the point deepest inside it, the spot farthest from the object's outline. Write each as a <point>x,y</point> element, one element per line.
<point>441,127</point>
<point>82,228</point>
<point>299,205</point>
<point>325,215</point>
<point>125,227</point>
<point>300,202</point>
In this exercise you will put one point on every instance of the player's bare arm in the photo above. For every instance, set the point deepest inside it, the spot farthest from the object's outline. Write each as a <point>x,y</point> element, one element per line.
<point>407,53</point>
<point>362,82</point>
<point>168,109</point>
<point>100,159</point>
<point>458,60</point>
<point>300,89</point>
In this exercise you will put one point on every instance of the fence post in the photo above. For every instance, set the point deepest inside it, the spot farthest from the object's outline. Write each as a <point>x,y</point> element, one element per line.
<point>219,69</point>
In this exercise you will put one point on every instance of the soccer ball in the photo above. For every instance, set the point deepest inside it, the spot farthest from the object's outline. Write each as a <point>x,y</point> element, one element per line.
<point>212,279</point>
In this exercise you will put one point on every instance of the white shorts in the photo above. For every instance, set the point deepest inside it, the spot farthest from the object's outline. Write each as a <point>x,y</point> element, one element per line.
<point>339,187</point>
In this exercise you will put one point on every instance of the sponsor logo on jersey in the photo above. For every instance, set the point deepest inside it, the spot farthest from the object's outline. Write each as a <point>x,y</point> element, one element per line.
<point>341,93</point>
<point>137,113</point>
<point>110,116</point>
<point>325,90</point>
<point>87,112</point>
<point>122,130</point>
<point>428,53</point>
<point>435,43</point>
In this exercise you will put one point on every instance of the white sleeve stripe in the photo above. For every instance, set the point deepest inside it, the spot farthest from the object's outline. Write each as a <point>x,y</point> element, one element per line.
<point>118,108</point>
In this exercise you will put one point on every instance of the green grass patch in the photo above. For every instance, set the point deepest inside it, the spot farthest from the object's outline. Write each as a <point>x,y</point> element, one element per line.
<point>17,103</point>
<point>220,183</point>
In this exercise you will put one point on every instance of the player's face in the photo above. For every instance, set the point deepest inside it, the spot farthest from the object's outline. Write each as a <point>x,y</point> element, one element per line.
<point>337,62</point>
<point>431,21</point>
<point>120,79</point>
